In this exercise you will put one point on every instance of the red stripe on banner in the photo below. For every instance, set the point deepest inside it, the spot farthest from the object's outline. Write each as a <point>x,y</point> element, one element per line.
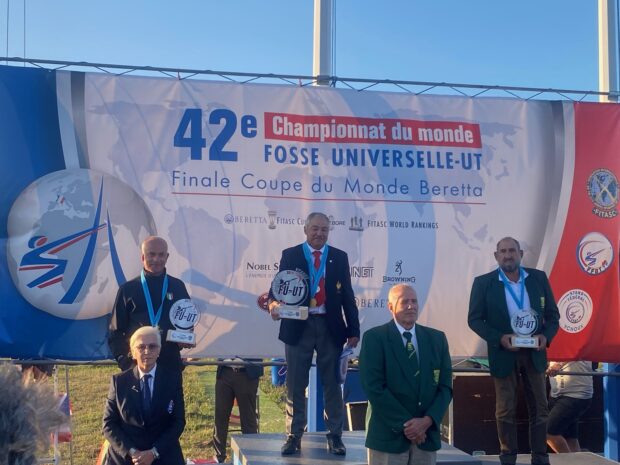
<point>35,267</point>
<point>349,129</point>
<point>49,283</point>
<point>585,275</point>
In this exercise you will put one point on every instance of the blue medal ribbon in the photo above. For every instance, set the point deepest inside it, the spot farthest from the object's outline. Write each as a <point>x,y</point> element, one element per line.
<point>518,301</point>
<point>315,275</point>
<point>154,317</point>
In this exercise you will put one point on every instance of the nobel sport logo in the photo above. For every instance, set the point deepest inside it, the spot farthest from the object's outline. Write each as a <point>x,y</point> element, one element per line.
<point>594,253</point>
<point>74,236</point>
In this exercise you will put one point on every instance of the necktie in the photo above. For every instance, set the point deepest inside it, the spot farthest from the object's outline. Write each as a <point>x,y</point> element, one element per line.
<point>146,395</point>
<point>413,358</point>
<point>410,348</point>
<point>320,293</point>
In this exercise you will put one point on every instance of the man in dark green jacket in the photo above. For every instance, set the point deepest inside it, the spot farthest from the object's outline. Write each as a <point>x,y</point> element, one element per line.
<point>497,299</point>
<point>406,373</point>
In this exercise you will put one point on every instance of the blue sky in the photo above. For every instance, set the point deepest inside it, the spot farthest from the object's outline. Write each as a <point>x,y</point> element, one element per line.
<point>537,43</point>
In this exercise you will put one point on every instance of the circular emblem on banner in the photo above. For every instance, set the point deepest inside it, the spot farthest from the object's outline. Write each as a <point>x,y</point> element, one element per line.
<point>184,315</point>
<point>603,191</point>
<point>594,253</point>
<point>290,287</point>
<point>69,235</point>
<point>575,310</point>
<point>524,323</point>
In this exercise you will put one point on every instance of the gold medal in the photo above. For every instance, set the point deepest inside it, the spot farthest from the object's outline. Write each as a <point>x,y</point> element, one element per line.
<point>313,302</point>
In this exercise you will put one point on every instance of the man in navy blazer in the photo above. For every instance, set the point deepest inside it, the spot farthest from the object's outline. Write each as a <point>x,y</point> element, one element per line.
<point>496,298</point>
<point>332,321</point>
<point>145,413</point>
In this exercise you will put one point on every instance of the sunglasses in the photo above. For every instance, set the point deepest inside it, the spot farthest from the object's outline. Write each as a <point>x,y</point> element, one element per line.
<point>143,347</point>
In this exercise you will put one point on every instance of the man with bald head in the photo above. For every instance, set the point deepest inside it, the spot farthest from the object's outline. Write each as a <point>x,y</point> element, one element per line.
<point>498,298</point>
<point>146,301</point>
<point>405,371</point>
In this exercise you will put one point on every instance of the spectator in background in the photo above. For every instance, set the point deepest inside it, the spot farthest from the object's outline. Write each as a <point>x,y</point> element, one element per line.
<point>240,383</point>
<point>570,397</point>
<point>28,415</point>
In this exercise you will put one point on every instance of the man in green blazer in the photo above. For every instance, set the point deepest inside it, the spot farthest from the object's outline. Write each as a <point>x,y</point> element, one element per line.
<point>406,373</point>
<point>497,299</point>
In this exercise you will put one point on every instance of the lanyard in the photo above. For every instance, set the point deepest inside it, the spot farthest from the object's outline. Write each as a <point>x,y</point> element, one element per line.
<point>518,301</point>
<point>149,303</point>
<point>315,275</point>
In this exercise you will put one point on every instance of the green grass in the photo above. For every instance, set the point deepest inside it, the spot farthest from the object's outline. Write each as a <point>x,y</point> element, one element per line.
<point>88,387</point>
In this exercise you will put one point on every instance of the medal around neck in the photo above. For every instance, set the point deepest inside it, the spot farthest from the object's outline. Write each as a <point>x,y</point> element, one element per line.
<point>184,316</point>
<point>524,323</point>
<point>290,288</point>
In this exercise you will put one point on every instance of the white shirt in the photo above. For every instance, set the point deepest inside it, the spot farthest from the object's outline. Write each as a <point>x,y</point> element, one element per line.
<point>151,379</point>
<point>320,308</point>
<point>513,307</point>
<point>414,339</point>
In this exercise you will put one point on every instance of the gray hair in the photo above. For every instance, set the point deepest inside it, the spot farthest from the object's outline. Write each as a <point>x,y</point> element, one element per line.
<point>313,215</point>
<point>28,414</point>
<point>145,331</point>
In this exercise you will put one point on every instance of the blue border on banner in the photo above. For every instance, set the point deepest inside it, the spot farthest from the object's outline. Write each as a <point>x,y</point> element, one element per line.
<point>30,147</point>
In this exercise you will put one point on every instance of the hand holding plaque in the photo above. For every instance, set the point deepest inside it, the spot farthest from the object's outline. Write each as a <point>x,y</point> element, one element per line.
<point>290,288</point>
<point>524,323</point>
<point>184,316</point>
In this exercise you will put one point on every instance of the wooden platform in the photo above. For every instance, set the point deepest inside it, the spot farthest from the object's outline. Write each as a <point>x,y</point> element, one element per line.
<point>575,458</point>
<point>264,449</point>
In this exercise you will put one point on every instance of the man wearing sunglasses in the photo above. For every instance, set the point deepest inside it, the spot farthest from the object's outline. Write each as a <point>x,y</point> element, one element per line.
<point>145,413</point>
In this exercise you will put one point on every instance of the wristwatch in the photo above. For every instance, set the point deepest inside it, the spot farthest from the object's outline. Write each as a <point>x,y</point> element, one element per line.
<point>155,453</point>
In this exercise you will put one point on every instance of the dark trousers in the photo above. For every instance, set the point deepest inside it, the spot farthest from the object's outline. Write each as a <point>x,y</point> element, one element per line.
<point>230,385</point>
<point>316,337</point>
<point>506,405</point>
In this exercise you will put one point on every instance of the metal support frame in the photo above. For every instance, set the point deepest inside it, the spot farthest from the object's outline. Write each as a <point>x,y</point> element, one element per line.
<point>357,84</point>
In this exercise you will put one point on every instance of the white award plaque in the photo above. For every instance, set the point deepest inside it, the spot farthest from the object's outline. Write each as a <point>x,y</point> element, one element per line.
<point>524,324</point>
<point>290,288</point>
<point>184,316</point>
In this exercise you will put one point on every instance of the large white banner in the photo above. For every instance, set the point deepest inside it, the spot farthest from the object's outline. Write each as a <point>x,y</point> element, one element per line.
<point>419,190</point>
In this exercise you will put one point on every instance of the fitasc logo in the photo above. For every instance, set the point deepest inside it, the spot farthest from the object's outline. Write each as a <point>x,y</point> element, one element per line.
<point>594,253</point>
<point>68,232</point>
<point>575,310</point>
<point>603,191</point>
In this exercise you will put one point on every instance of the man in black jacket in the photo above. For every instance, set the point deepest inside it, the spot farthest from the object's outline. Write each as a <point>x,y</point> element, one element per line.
<point>145,412</point>
<point>146,301</point>
<point>332,321</point>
